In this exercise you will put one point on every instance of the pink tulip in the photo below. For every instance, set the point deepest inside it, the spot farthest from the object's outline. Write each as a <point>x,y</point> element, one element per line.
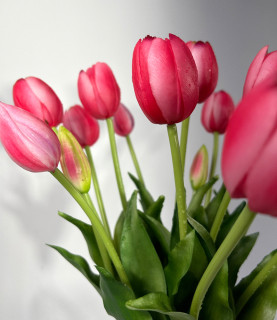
<point>123,121</point>
<point>165,79</point>
<point>74,162</point>
<point>35,96</point>
<point>261,68</point>
<point>199,168</point>
<point>249,151</point>
<point>30,142</point>
<point>216,112</point>
<point>206,64</point>
<point>99,91</point>
<point>83,126</point>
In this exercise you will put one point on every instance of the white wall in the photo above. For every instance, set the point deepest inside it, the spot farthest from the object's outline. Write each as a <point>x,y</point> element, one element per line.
<point>54,40</point>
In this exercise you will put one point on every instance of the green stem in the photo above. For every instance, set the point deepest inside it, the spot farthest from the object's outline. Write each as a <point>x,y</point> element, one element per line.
<point>116,164</point>
<point>269,267</point>
<point>220,215</point>
<point>179,180</point>
<point>103,252</point>
<point>183,142</point>
<point>95,221</point>
<point>134,158</point>
<point>98,192</point>
<point>236,233</point>
<point>213,166</point>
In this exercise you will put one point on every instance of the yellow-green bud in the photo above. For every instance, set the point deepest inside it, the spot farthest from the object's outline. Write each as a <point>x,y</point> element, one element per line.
<point>199,168</point>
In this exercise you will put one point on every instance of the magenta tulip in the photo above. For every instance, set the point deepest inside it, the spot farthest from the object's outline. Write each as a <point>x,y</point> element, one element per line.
<point>165,79</point>
<point>216,112</point>
<point>206,64</point>
<point>30,142</point>
<point>99,91</point>
<point>35,96</point>
<point>123,121</point>
<point>249,152</point>
<point>262,67</point>
<point>82,125</point>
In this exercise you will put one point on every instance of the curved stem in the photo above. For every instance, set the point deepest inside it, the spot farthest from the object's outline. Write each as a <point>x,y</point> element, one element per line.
<point>270,266</point>
<point>98,192</point>
<point>220,215</point>
<point>116,164</point>
<point>103,252</point>
<point>183,142</point>
<point>179,180</point>
<point>95,221</point>
<point>213,165</point>
<point>134,158</point>
<point>236,233</point>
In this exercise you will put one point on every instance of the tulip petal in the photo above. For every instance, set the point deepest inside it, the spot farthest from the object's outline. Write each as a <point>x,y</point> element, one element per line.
<point>243,132</point>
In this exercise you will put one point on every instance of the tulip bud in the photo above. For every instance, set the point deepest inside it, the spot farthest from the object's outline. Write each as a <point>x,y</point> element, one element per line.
<point>199,168</point>
<point>74,162</point>
<point>249,151</point>
<point>262,67</point>
<point>216,112</point>
<point>35,96</point>
<point>82,125</point>
<point>165,79</point>
<point>207,68</point>
<point>99,91</point>
<point>30,142</point>
<point>123,121</point>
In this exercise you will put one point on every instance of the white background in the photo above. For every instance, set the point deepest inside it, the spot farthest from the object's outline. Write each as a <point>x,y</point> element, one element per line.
<point>54,40</point>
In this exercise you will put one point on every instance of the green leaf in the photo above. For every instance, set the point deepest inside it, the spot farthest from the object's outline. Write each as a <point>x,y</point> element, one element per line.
<point>198,196</point>
<point>155,209</point>
<point>175,236</point>
<point>158,231</point>
<point>216,302</point>
<point>145,197</point>
<point>205,238</point>
<point>263,304</point>
<point>81,264</point>
<point>179,261</point>
<point>118,232</point>
<point>114,295</point>
<point>244,283</point>
<point>239,255</point>
<point>89,236</point>
<point>213,206</point>
<point>157,302</point>
<point>228,222</point>
<point>138,255</point>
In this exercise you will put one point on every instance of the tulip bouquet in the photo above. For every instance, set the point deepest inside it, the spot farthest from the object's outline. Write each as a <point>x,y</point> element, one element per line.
<point>143,270</point>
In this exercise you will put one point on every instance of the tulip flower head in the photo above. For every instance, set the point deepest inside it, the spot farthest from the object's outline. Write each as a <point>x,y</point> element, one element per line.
<point>99,91</point>
<point>249,151</point>
<point>207,67</point>
<point>35,96</point>
<point>123,121</point>
<point>216,112</point>
<point>262,67</point>
<point>83,126</point>
<point>199,168</point>
<point>74,162</point>
<point>165,79</point>
<point>30,142</point>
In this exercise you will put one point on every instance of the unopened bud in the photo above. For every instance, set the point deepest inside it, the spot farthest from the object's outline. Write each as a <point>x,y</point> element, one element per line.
<point>199,168</point>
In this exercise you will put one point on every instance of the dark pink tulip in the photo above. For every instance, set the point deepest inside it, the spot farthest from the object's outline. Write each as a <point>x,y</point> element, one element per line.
<point>99,91</point>
<point>249,151</point>
<point>261,68</point>
<point>165,79</point>
<point>83,126</point>
<point>123,121</point>
<point>206,64</point>
<point>35,96</point>
<point>216,112</point>
<point>30,142</point>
